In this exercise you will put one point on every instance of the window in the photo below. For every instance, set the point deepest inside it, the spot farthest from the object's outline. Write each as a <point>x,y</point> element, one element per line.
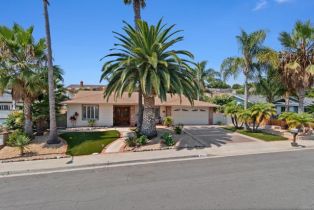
<point>157,112</point>
<point>5,107</point>
<point>90,112</point>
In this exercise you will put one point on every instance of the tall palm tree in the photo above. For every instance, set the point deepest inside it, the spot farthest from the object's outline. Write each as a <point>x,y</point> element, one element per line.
<point>22,64</point>
<point>137,6</point>
<point>146,55</point>
<point>297,58</point>
<point>250,45</point>
<point>53,137</point>
<point>268,83</point>
<point>202,76</point>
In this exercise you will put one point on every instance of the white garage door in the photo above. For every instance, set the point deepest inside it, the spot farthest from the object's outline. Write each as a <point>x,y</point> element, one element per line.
<point>190,116</point>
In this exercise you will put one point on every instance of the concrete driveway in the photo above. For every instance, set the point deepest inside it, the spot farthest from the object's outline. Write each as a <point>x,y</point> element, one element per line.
<point>208,136</point>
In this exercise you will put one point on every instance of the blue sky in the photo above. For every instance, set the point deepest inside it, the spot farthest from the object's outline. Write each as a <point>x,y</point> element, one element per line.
<point>82,30</point>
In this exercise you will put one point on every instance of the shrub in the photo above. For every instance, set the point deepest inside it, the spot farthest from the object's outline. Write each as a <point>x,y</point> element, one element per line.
<point>131,141</point>
<point>18,139</point>
<point>168,140</point>
<point>134,141</point>
<point>168,121</point>
<point>178,128</point>
<point>91,122</point>
<point>15,121</point>
<point>142,140</point>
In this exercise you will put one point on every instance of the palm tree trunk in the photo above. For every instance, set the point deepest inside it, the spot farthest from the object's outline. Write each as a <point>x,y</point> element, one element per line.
<point>287,101</point>
<point>140,109</point>
<point>53,137</point>
<point>149,125</point>
<point>137,10</point>
<point>246,93</point>
<point>28,125</point>
<point>301,95</point>
<point>137,16</point>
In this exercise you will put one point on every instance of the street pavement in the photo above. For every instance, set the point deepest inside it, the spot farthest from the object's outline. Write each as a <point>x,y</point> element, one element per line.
<point>282,180</point>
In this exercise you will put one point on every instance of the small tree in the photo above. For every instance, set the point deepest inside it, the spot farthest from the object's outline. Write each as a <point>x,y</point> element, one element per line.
<point>233,110</point>
<point>261,112</point>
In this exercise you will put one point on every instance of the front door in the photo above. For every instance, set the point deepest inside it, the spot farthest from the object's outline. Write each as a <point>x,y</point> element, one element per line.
<point>121,115</point>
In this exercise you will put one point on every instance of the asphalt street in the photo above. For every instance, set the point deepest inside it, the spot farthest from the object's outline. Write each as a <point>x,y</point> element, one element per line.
<point>267,181</point>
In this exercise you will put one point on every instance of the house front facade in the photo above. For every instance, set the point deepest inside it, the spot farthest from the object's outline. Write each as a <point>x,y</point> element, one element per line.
<point>122,111</point>
<point>7,105</point>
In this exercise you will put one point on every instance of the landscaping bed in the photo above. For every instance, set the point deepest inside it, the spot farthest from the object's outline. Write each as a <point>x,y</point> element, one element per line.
<point>37,149</point>
<point>86,143</point>
<point>259,134</point>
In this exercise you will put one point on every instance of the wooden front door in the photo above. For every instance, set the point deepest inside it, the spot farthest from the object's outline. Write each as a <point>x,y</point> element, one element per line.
<point>121,115</point>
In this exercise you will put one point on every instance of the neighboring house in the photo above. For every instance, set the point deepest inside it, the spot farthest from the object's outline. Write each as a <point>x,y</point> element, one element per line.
<point>253,99</point>
<point>74,88</point>
<point>7,105</point>
<point>279,103</point>
<point>219,91</point>
<point>86,105</point>
<point>293,104</point>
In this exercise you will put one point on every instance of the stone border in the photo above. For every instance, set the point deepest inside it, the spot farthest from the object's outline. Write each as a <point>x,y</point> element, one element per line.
<point>38,157</point>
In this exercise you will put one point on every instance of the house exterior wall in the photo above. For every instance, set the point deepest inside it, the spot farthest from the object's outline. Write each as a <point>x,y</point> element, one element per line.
<point>291,109</point>
<point>105,115</point>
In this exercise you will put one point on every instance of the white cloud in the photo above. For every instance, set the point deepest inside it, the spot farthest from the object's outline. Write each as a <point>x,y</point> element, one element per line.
<point>282,1</point>
<point>261,4</point>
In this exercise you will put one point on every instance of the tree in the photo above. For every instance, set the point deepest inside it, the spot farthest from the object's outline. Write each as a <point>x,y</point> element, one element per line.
<point>251,45</point>
<point>233,109</point>
<point>53,136</point>
<point>137,5</point>
<point>297,58</point>
<point>220,100</point>
<point>259,113</point>
<point>268,84</point>
<point>40,108</point>
<point>146,55</point>
<point>202,76</point>
<point>22,61</point>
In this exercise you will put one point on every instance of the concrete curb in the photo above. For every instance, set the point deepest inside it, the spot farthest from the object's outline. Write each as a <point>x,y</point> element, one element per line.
<point>56,169</point>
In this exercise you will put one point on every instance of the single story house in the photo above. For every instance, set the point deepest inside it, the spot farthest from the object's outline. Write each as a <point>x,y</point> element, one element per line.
<point>279,103</point>
<point>122,111</point>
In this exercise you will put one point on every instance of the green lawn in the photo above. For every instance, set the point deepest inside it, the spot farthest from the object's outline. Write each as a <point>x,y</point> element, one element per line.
<point>86,143</point>
<point>259,135</point>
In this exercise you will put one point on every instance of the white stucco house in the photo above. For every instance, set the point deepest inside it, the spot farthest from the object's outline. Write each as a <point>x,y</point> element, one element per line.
<point>86,105</point>
<point>7,105</point>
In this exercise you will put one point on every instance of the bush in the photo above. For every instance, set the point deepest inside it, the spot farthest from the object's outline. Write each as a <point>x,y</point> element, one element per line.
<point>168,121</point>
<point>15,121</point>
<point>142,140</point>
<point>18,139</point>
<point>178,128</point>
<point>131,141</point>
<point>91,123</point>
<point>168,140</point>
<point>134,141</point>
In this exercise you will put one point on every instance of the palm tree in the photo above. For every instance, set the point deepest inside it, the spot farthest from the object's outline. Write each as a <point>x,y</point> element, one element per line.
<point>53,137</point>
<point>297,58</point>
<point>137,5</point>
<point>251,45</point>
<point>202,76</point>
<point>268,84</point>
<point>233,109</point>
<point>22,62</point>
<point>261,112</point>
<point>146,55</point>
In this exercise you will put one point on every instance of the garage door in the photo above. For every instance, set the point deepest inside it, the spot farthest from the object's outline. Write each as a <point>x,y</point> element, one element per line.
<point>190,116</point>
